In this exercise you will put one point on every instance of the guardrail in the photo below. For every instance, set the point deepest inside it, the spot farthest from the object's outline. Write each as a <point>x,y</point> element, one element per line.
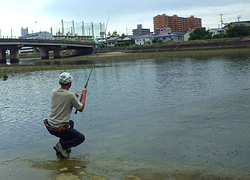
<point>47,41</point>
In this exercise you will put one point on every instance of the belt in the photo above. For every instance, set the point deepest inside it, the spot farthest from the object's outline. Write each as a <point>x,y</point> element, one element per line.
<point>59,129</point>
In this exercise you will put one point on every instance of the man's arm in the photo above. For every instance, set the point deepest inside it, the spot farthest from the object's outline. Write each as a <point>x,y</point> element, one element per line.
<point>84,92</point>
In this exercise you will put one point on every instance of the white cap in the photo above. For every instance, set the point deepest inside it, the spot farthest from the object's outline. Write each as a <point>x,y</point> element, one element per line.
<point>65,78</point>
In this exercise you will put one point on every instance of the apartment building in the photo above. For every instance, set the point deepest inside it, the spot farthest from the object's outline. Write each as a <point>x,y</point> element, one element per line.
<point>176,23</point>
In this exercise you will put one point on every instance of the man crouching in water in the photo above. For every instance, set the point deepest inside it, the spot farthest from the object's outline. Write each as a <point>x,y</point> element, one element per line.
<point>58,123</point>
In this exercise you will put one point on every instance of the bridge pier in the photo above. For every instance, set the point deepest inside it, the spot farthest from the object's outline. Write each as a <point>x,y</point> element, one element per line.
<point>57,53</point>
<point>85,51</point>
<point>44,52</point>
<point>2,55</point>
<point>14,55</point>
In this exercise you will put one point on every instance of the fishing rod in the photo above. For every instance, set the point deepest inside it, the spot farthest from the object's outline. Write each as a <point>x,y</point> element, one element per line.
<point>89,75</point>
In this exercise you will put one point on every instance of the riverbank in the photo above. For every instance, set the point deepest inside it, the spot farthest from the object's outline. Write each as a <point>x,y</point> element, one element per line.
<point>239,42</point>
<point>53,64</point>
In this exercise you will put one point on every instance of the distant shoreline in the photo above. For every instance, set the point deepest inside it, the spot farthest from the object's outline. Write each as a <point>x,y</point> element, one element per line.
<point>197,53</point>
<point>243,42</point>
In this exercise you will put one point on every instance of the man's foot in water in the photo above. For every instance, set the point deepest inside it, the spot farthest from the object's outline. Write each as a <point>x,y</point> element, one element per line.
<point>59,150</point>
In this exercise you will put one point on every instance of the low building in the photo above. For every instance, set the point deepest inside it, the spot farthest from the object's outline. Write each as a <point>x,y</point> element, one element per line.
<point>37,35</point>
<point>177,36</point>
<point>215,31</point>
<point>142,40</point>
<point>131,40</point>
<point>140,31</point>
<point>125,41</point>
<point>246,23</point>
<point>187,36</point>
<point>111,41</point>
<point>101,40</point>
<point>163,30</point>
<point>164,37</point>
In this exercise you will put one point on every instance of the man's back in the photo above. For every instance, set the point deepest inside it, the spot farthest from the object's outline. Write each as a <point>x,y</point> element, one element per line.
<point>62,102</point>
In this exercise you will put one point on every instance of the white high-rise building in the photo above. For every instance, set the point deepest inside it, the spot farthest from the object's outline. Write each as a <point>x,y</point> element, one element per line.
<point>24,32</point>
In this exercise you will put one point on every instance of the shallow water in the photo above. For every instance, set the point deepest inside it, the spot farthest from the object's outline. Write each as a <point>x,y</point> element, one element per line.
<point>174,114</point>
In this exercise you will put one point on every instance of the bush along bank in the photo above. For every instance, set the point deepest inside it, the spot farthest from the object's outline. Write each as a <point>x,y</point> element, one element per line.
<point>191,45</point>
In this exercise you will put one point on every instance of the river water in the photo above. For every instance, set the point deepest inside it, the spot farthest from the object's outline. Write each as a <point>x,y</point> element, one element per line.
<point>175,114</point>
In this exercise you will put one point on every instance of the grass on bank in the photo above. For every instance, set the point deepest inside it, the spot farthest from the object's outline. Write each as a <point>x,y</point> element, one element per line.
<point>205,53</point>
<point>5,70</point>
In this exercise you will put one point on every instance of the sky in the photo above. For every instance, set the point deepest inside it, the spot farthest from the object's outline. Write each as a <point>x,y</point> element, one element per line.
<point>118,15</point>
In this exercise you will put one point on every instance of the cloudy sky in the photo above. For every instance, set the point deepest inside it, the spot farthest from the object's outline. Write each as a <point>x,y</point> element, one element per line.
<point>121,15</point>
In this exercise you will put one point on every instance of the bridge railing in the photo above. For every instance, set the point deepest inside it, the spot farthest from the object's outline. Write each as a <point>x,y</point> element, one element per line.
<point>47,41</point>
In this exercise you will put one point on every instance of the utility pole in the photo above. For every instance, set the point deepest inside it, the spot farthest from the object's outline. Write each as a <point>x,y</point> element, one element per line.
<point>83,33</point>
<point>73,28</point>
<point>239,18</point>
<point>62,28</point>
<point>92,26</point>
<point>221,20</point>
<point>100,27</point>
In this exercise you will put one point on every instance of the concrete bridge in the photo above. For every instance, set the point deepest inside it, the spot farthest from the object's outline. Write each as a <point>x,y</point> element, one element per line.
<point>44,45</point>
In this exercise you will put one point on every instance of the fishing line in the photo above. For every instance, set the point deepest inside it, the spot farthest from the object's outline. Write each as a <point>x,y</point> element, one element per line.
<point>90,73</point>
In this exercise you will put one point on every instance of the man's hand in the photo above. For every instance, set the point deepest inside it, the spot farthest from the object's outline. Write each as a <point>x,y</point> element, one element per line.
<point>84,91</point>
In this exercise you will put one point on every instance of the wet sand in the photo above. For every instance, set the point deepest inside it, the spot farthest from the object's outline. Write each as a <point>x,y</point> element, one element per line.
<point>31,163</point>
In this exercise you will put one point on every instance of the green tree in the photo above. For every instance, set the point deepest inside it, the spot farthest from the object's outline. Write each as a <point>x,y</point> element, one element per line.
<point>109,34</point>
<point>200,33</point>
<point>115,34</point>
<point>126,43</point>
<point>159,41</point>
<point>103,44</point>
<point>220,35</point>
<point>154,41</point>
<point>237,31</point>
<point>123,36</point>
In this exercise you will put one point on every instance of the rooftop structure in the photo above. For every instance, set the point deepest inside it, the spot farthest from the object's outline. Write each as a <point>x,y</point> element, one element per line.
<point>246,23</point>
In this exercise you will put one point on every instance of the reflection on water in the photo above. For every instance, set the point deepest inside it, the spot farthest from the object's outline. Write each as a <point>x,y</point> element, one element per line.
<point>73,168</point>
<point>173,112</point>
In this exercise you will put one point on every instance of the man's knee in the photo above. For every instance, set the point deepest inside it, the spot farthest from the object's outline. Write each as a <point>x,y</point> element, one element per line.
<point>82,138</point>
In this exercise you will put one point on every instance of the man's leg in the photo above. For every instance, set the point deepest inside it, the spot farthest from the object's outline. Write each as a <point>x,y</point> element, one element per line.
<point>71,137</point>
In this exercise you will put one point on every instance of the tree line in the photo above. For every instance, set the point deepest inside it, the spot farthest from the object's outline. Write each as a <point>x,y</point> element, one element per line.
<point>197,34</point>
<point>230,31</point>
